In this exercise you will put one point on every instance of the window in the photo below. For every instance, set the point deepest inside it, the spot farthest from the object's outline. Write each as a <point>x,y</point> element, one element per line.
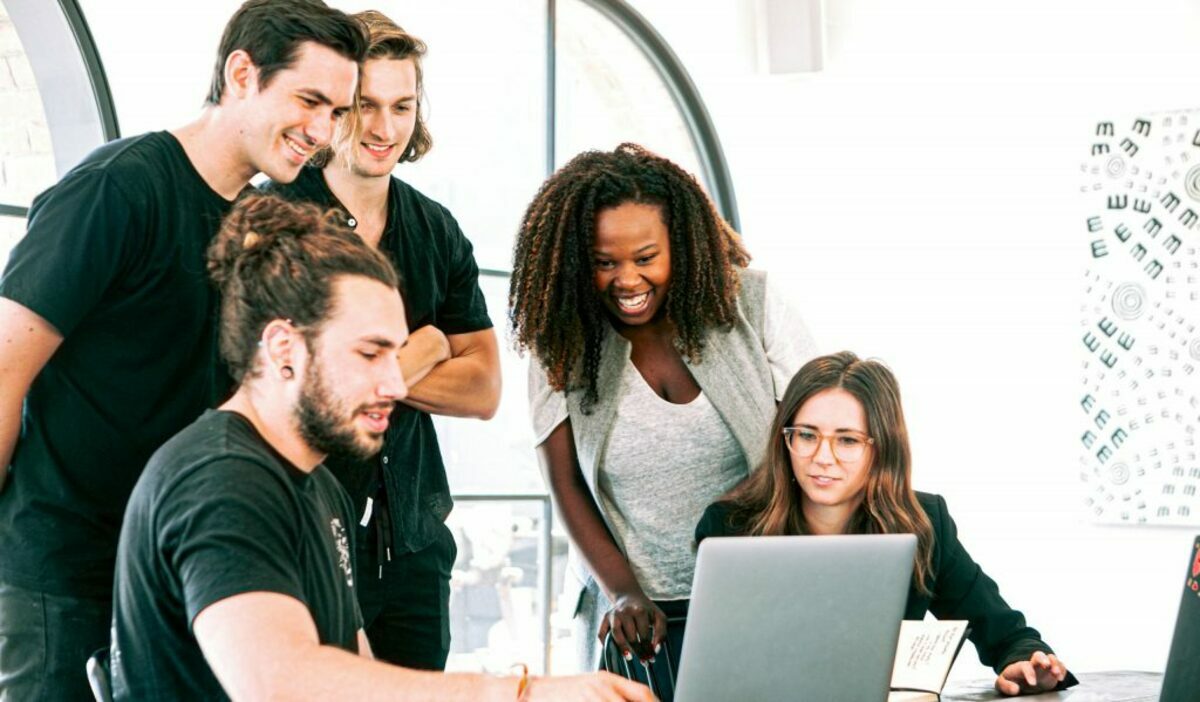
<point>608,92</point>
<point>26,153</point>
<point>12,228</point>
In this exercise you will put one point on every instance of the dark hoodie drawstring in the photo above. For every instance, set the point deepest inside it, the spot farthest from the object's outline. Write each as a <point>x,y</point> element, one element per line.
<point>381,517</point>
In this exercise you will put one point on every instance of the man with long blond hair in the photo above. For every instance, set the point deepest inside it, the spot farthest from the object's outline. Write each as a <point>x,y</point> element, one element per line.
<point>451,359</point>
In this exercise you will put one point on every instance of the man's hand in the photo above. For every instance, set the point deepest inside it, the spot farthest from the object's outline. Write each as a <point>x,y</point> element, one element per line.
<point>596,687</point>
<point>1043,671</point>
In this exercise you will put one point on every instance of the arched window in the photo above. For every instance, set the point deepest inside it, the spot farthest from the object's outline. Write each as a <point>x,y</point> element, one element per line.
<point>54,107</point>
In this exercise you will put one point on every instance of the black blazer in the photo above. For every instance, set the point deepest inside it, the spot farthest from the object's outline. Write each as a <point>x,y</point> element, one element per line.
<point>961,590</point>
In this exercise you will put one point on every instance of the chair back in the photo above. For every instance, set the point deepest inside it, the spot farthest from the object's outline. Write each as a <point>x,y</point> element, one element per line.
<point>99,676</point>
<point>659,676</point>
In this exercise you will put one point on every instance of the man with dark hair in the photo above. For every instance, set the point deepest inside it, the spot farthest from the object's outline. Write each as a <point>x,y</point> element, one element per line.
<point>107,346</point>
<point>234,575</point>
<point>452,361</point>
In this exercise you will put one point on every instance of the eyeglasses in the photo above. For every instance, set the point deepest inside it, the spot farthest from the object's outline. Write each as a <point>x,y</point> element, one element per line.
<point>847,446</point>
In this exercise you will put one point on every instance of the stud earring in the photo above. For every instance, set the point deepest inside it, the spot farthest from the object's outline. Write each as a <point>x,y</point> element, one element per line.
<point>287,373</point>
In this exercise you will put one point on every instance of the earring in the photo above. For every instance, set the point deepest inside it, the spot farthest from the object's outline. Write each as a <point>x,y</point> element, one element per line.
<point>287,373</point>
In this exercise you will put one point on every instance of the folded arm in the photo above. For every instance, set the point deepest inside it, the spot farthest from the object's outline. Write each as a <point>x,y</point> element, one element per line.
<point>456,375</point>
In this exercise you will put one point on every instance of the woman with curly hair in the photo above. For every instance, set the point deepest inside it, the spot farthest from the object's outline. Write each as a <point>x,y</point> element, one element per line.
<point>659,359</point>
<point>839,463</point>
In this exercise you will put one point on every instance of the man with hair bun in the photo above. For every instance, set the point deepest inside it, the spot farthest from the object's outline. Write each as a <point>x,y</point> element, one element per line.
<point>452,360</point>
<point>234,576</point>
<point>107,346</point>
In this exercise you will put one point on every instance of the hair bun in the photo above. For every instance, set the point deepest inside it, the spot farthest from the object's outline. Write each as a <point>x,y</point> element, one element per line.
<point>258,225</point>
<point>275,259</point>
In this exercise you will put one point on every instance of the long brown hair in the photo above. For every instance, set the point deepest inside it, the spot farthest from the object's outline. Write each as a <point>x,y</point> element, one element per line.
<point>768,502</point>
<point>554,310</point>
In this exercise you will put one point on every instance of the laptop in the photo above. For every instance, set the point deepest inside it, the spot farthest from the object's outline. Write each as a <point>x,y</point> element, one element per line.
<point>1181,680</point>
<point>795,618</point>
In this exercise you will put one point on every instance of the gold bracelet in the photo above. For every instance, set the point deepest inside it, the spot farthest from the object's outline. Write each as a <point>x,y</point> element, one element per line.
<point>523,683</point>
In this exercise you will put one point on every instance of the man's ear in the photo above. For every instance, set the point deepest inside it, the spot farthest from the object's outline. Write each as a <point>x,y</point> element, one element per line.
<point>284,348</point>
<point>241,75</point>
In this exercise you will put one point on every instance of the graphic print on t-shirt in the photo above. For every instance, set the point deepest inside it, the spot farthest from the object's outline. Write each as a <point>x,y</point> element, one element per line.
<point>343,548</point>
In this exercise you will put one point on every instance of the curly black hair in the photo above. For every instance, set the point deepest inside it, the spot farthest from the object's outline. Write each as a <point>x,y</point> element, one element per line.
<point>554,311</point>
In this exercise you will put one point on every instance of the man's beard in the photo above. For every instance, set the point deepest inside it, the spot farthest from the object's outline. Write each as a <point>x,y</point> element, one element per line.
<point>325,424</point>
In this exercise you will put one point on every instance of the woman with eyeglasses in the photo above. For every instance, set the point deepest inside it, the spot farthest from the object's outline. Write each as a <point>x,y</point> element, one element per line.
<point>838,463</point>
<point>658,361</point>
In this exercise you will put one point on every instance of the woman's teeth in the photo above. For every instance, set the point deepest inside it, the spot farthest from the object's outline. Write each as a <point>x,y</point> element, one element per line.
<point>633,304</point>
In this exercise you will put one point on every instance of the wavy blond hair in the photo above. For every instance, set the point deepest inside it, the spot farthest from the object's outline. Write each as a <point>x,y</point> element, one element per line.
<point>386,40</point>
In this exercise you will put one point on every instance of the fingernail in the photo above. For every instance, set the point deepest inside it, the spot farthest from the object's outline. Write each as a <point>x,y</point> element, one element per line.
<point>657,646</point>
<point>651,660</point>
<point>628,656</point>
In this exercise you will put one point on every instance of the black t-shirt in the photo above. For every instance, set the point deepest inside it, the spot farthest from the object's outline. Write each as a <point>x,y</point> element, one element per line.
<point>114,258</point>
<point>216,514</point>
<point>439,281</point>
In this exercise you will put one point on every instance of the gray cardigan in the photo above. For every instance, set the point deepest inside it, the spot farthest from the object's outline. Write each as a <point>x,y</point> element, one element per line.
<point>734,374</point>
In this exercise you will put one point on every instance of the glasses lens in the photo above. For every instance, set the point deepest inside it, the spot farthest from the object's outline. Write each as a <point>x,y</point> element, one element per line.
<point>848,447</point>
<point>802,442</point>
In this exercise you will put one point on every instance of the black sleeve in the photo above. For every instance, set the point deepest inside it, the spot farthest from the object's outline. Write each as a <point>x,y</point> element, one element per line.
<point>80,234</point>
<point>230,528</point>
<point>963,591</point>
<point>715,522</point>
<point>464,309</point>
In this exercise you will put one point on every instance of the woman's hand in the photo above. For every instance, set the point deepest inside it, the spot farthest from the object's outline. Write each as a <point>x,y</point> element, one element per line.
<point>637,626</point>
<point>1043,671</point>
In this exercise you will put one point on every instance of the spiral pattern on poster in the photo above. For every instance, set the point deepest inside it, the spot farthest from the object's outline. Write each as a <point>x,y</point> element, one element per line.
<point>1118,474</point>
<point>1128,300</point>
<point>1115,167</point>
<point>1191,183</point>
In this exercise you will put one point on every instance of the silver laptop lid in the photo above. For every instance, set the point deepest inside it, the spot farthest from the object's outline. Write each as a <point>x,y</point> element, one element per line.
<point>795,618</point>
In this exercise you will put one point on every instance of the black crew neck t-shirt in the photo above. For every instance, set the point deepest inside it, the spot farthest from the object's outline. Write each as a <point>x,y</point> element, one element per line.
<point>219,513</point>
<point>114,259</point>
<point>439,281</point>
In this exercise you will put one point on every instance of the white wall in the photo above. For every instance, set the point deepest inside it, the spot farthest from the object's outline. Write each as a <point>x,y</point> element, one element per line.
<point>918,195</point>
